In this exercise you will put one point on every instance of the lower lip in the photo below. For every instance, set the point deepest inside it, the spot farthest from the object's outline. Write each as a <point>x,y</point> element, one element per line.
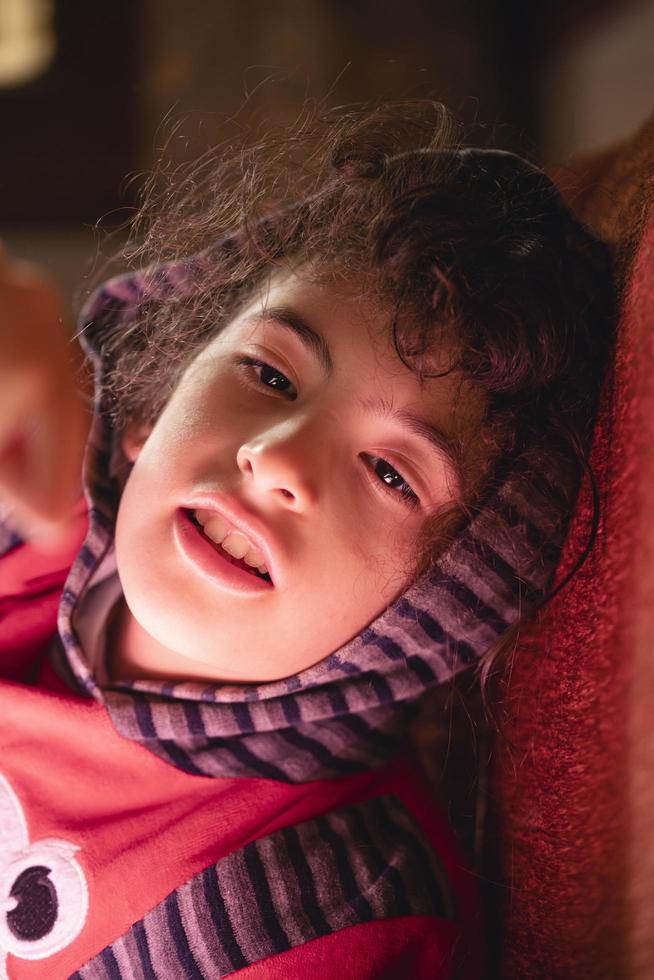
<point>202,555</point>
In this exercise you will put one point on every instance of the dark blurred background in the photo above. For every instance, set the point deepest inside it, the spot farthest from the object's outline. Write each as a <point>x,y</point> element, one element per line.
<point>88,91</point>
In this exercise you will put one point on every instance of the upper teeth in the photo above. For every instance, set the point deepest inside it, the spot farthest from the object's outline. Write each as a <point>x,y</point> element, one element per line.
<point>234,542</point>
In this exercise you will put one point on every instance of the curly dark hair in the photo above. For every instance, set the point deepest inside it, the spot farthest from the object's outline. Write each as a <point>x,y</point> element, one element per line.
<point>473,245</point>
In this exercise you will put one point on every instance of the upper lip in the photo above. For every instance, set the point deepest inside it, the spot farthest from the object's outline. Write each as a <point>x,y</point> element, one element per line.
<point>243,520</point>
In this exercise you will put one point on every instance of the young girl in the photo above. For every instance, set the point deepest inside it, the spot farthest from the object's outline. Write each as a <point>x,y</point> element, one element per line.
<point>335,441</point>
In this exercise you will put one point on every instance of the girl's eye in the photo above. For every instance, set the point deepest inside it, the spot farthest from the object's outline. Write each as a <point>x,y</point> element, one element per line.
<point>269,376</point>
<point>393,482</point>
<point>389,480</point>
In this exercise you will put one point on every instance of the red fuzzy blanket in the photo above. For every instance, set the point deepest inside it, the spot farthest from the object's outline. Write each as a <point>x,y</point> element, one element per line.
<point>573,782</point>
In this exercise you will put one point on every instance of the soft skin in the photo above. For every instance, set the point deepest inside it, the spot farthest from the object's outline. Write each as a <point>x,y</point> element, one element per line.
<point>311,471</point>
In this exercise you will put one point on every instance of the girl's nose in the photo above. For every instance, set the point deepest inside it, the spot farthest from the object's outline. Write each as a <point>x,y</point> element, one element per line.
<point>282,466</point>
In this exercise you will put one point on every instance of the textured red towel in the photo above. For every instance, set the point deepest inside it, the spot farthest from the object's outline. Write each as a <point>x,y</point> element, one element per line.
<point>570,772</point>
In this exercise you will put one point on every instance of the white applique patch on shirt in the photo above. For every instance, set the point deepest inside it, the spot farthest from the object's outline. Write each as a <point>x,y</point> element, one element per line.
<point>44,897</point>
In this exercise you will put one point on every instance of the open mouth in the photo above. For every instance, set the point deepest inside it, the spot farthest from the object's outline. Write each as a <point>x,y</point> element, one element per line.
<point>224,554</point>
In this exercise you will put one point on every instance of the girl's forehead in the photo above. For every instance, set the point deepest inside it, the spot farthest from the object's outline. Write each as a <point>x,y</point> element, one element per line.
<point>326,297</point>
<point>336,320</point>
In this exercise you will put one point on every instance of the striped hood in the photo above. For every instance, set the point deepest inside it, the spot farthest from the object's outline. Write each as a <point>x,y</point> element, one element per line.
<point>349,711</point>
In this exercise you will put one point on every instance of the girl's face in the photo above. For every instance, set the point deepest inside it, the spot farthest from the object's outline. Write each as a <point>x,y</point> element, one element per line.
<point>291,418</point>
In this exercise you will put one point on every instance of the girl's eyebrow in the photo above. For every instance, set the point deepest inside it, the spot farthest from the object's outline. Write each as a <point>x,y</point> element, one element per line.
<point>312,340</point>
<point>316,344</point>
<point>435,437</point>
